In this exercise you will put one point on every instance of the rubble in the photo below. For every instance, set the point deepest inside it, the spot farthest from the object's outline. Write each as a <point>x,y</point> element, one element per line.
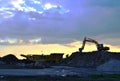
<point>93,59</point>
<point>90,59</point>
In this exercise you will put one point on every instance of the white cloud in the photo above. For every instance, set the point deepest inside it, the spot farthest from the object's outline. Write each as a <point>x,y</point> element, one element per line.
<point>17,4</point>
<point>29,9</point>
<point>36,1</point>
<point>6,14</point>
<point>35,41</point>
<point>15,41</point>
<point>47,6</point>
<point>14,6</point>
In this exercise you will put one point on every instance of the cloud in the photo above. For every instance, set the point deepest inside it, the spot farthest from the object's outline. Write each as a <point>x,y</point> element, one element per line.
<point>64,22</point>
<point>17,3</point>
<point>75,44</point>
<point>106,3</point>
<point>9,41</point>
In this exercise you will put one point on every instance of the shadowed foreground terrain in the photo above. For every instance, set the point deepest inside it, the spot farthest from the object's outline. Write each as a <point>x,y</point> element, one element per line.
<point>113,77</point>
<point>80,66</point>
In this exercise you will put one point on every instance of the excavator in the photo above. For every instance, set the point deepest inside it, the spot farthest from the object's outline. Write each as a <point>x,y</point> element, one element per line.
<point>100,47</point>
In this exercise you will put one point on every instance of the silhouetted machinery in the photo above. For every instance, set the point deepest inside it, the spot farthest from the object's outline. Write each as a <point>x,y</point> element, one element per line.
<point>54,57</point>
<point>100,47</point>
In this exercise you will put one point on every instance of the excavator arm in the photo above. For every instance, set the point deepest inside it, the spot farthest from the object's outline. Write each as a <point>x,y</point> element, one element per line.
<point>83,45</point>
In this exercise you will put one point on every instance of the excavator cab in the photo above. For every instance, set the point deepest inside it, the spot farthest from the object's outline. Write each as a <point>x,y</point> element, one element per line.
<point>100,47</point>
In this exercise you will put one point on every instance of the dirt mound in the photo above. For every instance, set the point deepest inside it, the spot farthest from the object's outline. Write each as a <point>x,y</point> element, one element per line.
<point>90,59</point>
<point>112,65</point>
<point>10,59</point>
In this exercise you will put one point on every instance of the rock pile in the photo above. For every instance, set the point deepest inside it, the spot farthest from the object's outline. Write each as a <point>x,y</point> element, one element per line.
<point>90,59</point>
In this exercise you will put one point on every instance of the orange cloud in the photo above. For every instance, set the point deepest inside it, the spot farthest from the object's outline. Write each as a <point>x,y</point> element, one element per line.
<point>50,48</point>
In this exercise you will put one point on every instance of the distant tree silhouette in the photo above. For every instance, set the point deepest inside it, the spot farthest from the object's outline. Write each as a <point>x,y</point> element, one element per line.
<point>10,59</point>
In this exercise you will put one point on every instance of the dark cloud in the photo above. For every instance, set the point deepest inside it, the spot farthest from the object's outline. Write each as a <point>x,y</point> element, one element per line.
<point>106,3</point>
<point>84,19</point>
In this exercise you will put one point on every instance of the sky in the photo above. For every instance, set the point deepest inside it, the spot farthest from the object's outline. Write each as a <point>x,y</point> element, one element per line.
<point>48,26</point>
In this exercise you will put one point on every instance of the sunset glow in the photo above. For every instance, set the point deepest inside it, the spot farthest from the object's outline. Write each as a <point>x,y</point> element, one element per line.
<point>47,26</point>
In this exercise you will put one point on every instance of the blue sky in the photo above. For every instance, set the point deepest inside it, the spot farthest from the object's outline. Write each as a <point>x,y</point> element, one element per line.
<point>59,21</point>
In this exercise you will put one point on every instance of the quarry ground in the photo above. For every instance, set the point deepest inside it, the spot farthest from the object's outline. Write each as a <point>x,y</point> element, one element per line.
<point>55,71</point>
<point>58,73</point>
<point>86,66</point>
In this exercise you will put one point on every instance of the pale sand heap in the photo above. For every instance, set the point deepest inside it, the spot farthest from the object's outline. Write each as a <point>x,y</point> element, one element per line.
<point>110,66</point>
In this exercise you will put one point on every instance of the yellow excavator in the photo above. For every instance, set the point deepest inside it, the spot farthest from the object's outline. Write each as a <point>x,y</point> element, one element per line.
<point>100,47</point>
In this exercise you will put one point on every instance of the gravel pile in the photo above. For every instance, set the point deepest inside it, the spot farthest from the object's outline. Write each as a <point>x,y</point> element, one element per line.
<point>90,59</point>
